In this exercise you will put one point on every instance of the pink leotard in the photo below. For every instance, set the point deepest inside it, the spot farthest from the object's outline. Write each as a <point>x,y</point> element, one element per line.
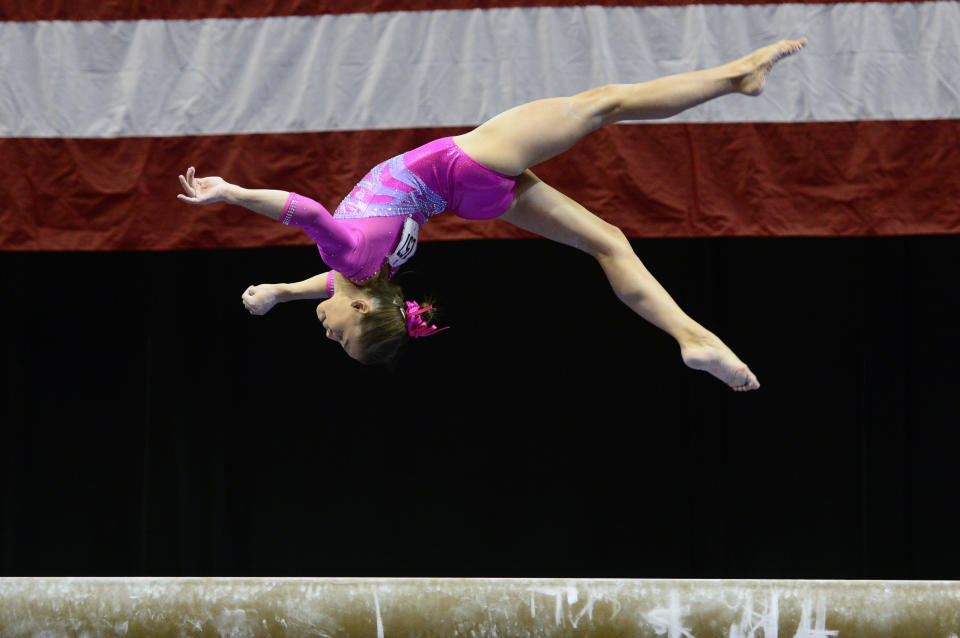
<point>367,225</point>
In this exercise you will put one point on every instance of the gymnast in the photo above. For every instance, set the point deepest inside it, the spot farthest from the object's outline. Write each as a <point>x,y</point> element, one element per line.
<point>485,174</point>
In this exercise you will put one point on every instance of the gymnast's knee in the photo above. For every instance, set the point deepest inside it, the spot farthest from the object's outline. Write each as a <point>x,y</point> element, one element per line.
<point>610,243</point>
<point>602,102</point>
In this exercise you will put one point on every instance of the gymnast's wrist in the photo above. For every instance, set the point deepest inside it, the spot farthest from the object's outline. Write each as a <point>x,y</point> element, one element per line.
<point>234,194</point>
<point>284,292</point>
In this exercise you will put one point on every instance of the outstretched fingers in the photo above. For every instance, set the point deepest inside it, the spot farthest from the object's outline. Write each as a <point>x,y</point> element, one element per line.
<point>202,190</point>
<point>189,186</point>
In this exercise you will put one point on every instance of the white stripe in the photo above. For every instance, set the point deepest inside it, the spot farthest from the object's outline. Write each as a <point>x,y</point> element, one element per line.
<point>453,68</point>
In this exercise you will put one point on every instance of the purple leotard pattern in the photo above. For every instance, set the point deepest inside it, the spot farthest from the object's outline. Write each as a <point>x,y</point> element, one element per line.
<point>368,223</point>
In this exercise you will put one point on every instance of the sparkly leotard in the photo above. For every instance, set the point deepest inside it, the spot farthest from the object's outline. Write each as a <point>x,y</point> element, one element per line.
<point>369,223</point>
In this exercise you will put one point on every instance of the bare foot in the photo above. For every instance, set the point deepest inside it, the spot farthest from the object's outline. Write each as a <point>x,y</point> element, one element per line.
<point>759,63</point>
<point>711,355</point>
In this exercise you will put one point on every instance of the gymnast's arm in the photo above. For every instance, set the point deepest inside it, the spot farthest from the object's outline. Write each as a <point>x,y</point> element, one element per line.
<point>208,190</point>
<point>291,208</point>
<point>261,298</point>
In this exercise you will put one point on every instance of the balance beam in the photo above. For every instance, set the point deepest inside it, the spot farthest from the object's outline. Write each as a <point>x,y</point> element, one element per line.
<point>476,608</point>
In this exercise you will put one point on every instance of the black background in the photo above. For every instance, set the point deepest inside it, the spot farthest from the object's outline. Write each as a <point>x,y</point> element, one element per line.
<point>152,427</point>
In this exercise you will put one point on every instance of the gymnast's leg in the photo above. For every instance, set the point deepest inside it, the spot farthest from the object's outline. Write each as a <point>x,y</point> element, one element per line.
<point>542,209</point>
<point>524,136</point>
<point>534,132</point>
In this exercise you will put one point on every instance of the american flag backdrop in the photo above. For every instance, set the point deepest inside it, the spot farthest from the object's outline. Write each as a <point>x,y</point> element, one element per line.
<point>102,104</point>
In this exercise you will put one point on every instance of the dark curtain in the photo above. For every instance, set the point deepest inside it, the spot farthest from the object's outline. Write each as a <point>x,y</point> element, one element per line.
<point>150,426</point>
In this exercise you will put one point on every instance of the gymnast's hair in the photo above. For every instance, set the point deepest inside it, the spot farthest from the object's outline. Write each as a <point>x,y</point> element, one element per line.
<point>383,330</point>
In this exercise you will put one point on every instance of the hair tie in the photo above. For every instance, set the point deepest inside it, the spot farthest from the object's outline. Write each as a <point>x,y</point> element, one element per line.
<point>416,327</point>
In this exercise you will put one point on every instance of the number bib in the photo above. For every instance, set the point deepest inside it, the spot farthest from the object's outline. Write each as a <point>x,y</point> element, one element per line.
<point>407,245</point>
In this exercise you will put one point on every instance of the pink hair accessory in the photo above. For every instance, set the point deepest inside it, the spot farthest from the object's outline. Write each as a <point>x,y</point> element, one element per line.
<point>416,327</point>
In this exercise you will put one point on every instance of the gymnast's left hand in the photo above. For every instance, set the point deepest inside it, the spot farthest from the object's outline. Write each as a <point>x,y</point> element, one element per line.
<point>202,190</point>
<point>258,300</point>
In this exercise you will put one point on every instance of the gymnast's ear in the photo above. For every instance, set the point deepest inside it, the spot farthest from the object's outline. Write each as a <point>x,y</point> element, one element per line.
<point>362,305</point>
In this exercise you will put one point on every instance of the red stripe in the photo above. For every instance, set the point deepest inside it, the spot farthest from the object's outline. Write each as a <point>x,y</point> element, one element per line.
<point>857,178</point>
<point>191,10</point>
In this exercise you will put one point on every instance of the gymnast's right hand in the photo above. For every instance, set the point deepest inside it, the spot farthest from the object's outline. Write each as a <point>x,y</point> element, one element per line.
<point>202,190</point>
<point>260,299</point>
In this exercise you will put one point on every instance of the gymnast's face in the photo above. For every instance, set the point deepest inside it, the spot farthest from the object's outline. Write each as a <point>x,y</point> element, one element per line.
<point>341,316</point>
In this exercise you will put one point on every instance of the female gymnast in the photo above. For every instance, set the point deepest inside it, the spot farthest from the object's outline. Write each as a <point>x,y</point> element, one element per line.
<point>485,174</point>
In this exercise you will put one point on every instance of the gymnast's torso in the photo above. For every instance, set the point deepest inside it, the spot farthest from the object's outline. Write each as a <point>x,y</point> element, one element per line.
<point>378,221</point>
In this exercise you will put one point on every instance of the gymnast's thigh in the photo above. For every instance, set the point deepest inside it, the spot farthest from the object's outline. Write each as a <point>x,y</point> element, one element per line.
<point>534,132</point>
<point>539,208</point>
